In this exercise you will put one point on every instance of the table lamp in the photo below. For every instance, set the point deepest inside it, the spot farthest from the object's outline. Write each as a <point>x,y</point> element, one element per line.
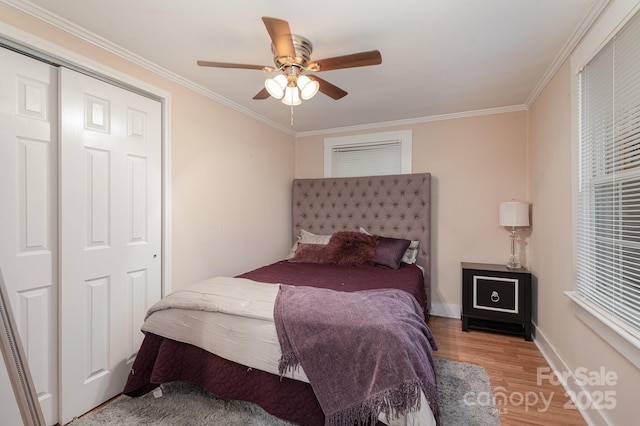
<point>514,214</point>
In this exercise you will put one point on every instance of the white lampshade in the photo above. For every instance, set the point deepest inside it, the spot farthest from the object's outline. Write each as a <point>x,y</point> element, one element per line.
<point>308,87</point>
<point>291,96</point>
<point>514,213</point>
<point>275,86</point>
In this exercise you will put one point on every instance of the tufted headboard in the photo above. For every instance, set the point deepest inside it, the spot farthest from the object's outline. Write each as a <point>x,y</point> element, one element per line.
<point>396,206</point>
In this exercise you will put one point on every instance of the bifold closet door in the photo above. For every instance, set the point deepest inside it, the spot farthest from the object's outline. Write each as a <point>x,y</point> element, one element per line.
<point>28,220</point>
<point>110,235</point>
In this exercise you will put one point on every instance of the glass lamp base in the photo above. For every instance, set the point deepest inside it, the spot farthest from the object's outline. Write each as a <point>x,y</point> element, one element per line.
<point>513,260</point>
<point>513,265</point>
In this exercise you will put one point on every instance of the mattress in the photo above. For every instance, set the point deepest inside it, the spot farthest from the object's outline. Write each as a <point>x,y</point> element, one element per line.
<point>238,328</point>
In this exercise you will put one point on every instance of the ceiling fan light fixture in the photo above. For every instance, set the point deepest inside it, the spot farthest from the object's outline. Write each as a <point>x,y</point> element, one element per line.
<point>276,86</point>
<point>308,87</point>
<point>292,57</point>
<point>291,96</point>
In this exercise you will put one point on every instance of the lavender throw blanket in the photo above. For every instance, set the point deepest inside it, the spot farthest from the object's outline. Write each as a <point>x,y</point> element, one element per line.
<point>365,353</point>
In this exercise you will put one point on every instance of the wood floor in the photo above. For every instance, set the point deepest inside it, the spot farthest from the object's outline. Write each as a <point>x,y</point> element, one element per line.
<point>512,364</point>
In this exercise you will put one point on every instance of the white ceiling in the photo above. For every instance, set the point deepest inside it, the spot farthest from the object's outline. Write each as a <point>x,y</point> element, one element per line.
<point>439,57</point>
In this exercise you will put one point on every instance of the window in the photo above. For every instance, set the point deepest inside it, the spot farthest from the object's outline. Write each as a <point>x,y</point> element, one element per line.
<point>608,198</point>
<point>385,153</point>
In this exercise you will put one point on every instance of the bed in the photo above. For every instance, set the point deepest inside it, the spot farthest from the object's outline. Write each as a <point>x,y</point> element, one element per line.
<point>395,207</point>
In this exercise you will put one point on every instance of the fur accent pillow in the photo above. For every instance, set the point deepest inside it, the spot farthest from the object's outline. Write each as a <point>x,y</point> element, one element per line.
<point>311,253</point>
<point>390,251</point>
<point>353,248</point>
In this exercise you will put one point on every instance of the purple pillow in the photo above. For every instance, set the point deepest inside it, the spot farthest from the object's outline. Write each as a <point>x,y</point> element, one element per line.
<point>353,248</point>
<point>390,251</point>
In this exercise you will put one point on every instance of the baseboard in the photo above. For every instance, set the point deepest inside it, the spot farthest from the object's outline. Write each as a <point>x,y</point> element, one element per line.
<point>559,365</point>
<point>446,310</point>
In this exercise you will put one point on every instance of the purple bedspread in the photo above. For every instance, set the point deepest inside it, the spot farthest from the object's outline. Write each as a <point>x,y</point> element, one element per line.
<point>374,342</point>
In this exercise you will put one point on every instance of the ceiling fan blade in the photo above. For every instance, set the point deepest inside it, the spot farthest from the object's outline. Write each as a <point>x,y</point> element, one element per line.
<point>263,94</point>
<point>280,36</point>
<point>362,59</point>
<point>232,65</point>
<point>329,89</point>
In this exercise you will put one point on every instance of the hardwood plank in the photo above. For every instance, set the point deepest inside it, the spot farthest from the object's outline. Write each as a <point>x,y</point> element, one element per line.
<point>512,364</point>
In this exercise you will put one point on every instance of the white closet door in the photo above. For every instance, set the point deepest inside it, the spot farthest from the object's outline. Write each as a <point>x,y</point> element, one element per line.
<point>110,239</point>
<point>28,217</point>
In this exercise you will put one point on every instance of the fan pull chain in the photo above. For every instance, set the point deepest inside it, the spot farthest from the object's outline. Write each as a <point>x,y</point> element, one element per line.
<point>291,115</point>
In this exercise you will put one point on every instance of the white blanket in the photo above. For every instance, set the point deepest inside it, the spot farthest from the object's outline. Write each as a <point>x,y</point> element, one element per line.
<point>233,296</point>
<point>229,317</point>
<point>233,318</point>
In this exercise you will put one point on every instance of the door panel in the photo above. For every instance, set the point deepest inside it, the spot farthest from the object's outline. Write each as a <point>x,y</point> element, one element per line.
<point>28,214</point>
<point>110,247</point>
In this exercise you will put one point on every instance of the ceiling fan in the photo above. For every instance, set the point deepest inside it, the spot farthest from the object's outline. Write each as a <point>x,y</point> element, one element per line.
<point>292,58</point>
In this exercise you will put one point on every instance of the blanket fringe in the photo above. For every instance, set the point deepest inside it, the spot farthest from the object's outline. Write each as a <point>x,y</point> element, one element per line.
<point>392,402</point>
<point>287,362</point>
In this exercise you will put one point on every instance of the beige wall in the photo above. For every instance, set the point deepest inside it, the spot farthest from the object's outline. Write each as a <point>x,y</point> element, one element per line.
<point>231,191</point>
<point>564,336</point>
<point>231,174</point>
<point>476,163</point>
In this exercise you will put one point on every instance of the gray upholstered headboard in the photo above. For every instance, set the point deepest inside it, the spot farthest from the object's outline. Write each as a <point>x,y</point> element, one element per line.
<point>396,206</point>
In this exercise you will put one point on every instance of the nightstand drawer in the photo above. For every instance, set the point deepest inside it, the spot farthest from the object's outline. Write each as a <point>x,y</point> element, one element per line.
<point>495,294</point>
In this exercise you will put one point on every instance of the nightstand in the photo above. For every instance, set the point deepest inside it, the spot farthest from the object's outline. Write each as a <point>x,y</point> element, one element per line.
<point>496,298</point>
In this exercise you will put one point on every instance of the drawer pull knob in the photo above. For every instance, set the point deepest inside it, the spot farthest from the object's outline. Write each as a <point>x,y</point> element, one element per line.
<point>495,297</point>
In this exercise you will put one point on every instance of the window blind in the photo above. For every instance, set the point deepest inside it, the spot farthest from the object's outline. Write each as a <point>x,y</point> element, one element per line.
<point>608,231</point>
<point>380,158</point>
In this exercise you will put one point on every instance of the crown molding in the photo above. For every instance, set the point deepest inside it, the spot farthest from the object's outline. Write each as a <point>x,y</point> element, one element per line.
<point>418,120</point>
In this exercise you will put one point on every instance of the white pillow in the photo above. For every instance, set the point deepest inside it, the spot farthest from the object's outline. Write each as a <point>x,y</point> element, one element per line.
<point>307,237</point>
<point>410,255</point>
